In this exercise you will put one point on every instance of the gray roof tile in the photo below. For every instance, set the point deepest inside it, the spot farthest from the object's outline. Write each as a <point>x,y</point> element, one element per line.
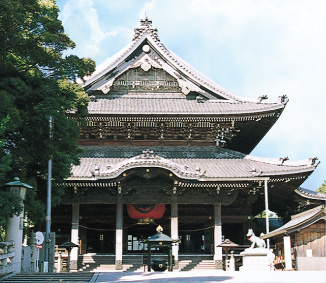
<point>224,164</point>
<point>176,106</point>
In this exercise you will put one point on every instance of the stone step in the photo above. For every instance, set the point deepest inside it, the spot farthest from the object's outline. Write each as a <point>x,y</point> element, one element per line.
<point>95,262</point>
<point>44,277</point>
<point>205,264</point>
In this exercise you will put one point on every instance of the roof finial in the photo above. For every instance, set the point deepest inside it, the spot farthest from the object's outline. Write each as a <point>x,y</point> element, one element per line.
<point>159,229</point>
<point>146,26</point>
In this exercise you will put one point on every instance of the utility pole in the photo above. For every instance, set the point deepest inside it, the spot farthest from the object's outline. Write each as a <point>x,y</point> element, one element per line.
<point>48,203</point>
<point>267,210</point>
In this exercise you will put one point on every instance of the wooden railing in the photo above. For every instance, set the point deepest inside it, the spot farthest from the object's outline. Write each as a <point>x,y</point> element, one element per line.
<point>6,257</point>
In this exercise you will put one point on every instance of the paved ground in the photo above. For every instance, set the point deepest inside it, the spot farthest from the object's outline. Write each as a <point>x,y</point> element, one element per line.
<point>171,277</point>
<point>213,276</point>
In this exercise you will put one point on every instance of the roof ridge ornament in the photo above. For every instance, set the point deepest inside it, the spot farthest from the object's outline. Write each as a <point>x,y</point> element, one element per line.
<point>283,159</point>
<point>148,154</point>
<point>262,97</point>
<point>314,160</point>
<point>145,26</point>
<point>284,99</point>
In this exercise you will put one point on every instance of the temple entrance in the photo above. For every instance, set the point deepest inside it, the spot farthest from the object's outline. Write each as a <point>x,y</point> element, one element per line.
<point>196,229</point>
<point>97,228</point>
<point>100,241</point>
<point>192,242</point>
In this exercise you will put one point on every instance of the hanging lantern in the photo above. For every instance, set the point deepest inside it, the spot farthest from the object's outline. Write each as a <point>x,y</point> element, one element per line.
<point>146,213</point>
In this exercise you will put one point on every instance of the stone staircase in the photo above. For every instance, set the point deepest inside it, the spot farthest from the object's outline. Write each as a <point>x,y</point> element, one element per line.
<point>134,263</point>
<point>205,264</point>
<point>196,262</point>
<point>50,277</point>
<point>106,263</point>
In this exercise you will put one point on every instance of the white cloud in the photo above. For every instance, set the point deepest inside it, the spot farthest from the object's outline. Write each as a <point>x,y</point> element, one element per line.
<point>81,18</point>
<point>146,10</point>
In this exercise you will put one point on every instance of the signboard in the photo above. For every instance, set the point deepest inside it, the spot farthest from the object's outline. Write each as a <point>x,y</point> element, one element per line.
<point>39,246</point>
<point>39,238</point>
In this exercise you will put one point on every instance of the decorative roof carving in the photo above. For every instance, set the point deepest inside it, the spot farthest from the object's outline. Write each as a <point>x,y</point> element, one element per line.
<point>145,26</point>
<point>107,86</point>
<point>147,154</point>
<point>146,63</point>
<point>148,158</point>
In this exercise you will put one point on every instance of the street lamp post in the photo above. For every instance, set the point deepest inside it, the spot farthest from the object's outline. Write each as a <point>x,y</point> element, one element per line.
<point>14,229</point>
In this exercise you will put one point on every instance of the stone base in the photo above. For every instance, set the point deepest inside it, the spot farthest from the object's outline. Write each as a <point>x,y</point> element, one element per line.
<point>118,265</point>
<point>73,265</point>
<point>219,264</point>
<point>311,263</point>
<point>255,260</point>
<point>176,265</point>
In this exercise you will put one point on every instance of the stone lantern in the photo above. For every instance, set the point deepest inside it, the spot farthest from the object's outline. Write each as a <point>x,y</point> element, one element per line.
<point>163,242</point>
<point>14,229</point>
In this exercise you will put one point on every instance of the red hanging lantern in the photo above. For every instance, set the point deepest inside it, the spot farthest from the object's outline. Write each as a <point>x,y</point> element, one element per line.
<point>144,211</point>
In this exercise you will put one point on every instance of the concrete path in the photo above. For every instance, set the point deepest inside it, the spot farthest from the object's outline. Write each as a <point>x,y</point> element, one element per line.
<point>212,276</point>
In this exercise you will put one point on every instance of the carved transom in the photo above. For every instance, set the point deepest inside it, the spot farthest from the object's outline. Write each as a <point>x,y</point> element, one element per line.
<point>145,76</point>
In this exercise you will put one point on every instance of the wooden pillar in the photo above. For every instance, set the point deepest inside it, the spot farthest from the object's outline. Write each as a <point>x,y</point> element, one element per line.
<point>175,229</point>
<point>74,235</point>
<point>218,236</point>
<point>118,233</point>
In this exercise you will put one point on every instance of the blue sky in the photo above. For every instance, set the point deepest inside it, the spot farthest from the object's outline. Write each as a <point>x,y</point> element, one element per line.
<point>250,47</point>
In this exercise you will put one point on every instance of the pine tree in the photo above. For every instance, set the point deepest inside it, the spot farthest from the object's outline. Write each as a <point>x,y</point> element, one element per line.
<point>322,188</point>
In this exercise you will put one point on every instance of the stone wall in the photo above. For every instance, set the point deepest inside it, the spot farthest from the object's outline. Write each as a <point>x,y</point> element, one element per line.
<point>310,263</point>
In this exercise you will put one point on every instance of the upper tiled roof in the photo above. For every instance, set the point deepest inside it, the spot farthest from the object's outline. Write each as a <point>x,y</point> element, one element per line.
<point>136,105</point>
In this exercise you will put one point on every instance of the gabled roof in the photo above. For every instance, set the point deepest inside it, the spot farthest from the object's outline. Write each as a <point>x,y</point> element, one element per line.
<point>138,54</point>
<point>299,221</point>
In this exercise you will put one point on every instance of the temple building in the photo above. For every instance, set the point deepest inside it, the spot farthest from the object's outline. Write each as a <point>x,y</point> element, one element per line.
<point>165,145</point>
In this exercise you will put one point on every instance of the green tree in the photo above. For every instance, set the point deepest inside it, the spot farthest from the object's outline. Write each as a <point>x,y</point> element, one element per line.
<point>322,188</point>
<point>5,159</point>
<point>36,81</point>
<point>9,203</point>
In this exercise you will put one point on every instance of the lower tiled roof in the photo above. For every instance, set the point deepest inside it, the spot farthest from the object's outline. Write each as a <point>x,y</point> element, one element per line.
<point>310,194</point>
<point>208,164</point>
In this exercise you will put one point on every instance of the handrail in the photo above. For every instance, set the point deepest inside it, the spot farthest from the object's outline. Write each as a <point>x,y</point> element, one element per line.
<point>6,257</point>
